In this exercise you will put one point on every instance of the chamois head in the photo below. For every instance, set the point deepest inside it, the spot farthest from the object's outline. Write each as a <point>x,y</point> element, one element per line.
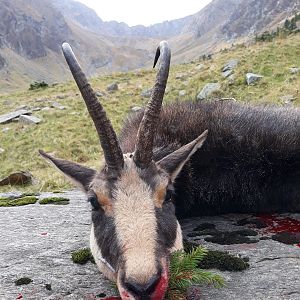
<point>134,227</point>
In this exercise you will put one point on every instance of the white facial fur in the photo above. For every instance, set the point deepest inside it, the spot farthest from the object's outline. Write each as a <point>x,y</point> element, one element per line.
<point>135,221</point>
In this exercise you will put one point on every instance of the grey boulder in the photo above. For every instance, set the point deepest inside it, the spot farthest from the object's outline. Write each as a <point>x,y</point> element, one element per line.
<point>112,87</point>
<point>146,93</point>
<point>294,70</point>
<point>230,65</point>
<point>251,78</point>
<point>208,89</point>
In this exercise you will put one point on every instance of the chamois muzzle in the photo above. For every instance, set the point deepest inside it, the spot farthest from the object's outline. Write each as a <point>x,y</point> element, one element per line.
<point>144,146</point>
<point>108,138</point>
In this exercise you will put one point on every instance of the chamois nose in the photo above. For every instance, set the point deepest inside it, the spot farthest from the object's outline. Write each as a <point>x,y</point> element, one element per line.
<point>144,291</point>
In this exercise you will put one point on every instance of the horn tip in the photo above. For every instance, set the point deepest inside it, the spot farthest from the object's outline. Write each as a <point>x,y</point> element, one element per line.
<point>66,46</point>
<point>43,153</point>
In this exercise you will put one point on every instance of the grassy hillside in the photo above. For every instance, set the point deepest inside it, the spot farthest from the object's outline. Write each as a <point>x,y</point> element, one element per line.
<point>69,133</point>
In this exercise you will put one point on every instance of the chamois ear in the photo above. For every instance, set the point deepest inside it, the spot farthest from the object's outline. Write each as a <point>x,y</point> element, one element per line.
<point>174,162</point>
<point>80,175</point>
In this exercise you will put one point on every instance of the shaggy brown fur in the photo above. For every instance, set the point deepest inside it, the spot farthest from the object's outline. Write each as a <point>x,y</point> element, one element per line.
<point>250,161</point>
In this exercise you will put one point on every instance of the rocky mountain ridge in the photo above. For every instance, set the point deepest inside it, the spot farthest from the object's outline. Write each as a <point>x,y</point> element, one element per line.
<point>31,32</point>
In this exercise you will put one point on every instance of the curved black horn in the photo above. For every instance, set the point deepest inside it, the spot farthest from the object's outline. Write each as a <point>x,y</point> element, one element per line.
<point>144,146</point>
<point>108,139</point>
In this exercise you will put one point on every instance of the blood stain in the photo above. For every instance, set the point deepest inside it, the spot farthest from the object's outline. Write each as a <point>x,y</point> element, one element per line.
<point>278,224</point>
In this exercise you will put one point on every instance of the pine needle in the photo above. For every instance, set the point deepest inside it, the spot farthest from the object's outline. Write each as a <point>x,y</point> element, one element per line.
<point>184,273</point>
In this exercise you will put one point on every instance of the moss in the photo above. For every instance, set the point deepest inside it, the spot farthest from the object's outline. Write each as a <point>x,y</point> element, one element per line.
<point>252,221</point>
<point>101,295</point>
<point>232,237</point>
<point>82,256</point>
<point>204,226</point>
<point>55,200</point>
<point>5,199</point>
<point>202,232</point>
<point>223,261</point>
<point>23,280</point>
<point>28,194</point>
<point>18,202</point>
<point>218,259</point>
<point>287,238</point>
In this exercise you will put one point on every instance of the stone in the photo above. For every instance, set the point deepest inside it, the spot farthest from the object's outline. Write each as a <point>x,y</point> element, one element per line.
<point>45,108</point>
<point>231,79</point>
<point>18,178</point>
<point>49,255</point>
<point>29,119</point>
<point>294,70</point>
<point>5,129</point>
<point>12,115</point>
<point>1,150</point>
<point>36,109</point>
<point>136,108</point>
<point>100,94</point>
<point>61,97</point>
<point>227,73</point>
<point>146,93</point>
<point>273,271</point>
<point>199,67</point>
<point>22,107</point>
<point>251,78</point>
<point>57,105</point>
<point>112,87</point>
<point>286,99</point>
<point>230,65</point>
<point>42,99</point>
<point>181,76</point>
<point>7,102</point>
<point>208,89</point>
<point>182,93</point>
<point>270,261</point>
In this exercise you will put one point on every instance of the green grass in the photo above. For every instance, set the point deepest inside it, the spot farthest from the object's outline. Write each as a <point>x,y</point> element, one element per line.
<point>55,201</point>
<point>70,133</point>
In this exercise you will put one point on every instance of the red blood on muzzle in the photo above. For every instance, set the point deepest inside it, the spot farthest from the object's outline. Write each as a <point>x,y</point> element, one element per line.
<point>161,287</point>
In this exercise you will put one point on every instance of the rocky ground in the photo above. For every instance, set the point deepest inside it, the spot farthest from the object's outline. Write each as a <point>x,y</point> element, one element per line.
<point>37,242</point>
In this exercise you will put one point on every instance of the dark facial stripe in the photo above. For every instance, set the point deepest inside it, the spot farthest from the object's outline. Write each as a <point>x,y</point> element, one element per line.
<point>105,235</point>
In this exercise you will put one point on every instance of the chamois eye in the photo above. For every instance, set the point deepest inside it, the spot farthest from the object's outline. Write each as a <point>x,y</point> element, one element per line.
<point>92,198</point>
<point>169,194</point>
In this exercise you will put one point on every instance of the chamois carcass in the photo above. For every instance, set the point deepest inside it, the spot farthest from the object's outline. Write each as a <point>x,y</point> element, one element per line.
<point>183,159</point>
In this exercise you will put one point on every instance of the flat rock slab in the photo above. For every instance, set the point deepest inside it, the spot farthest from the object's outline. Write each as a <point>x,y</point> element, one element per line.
<point>29,120</point>
<point>37,242</point>
<point>274,267</point>
<point>12,115</point>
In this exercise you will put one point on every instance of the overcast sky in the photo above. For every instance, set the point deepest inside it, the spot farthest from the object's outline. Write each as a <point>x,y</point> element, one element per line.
<point>135,12</point>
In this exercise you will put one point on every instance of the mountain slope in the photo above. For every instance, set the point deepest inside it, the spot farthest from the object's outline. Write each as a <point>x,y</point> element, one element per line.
<point>88,19</point>
<point>31,32</point>
<point>222,23</point>
<point>70,133</point>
